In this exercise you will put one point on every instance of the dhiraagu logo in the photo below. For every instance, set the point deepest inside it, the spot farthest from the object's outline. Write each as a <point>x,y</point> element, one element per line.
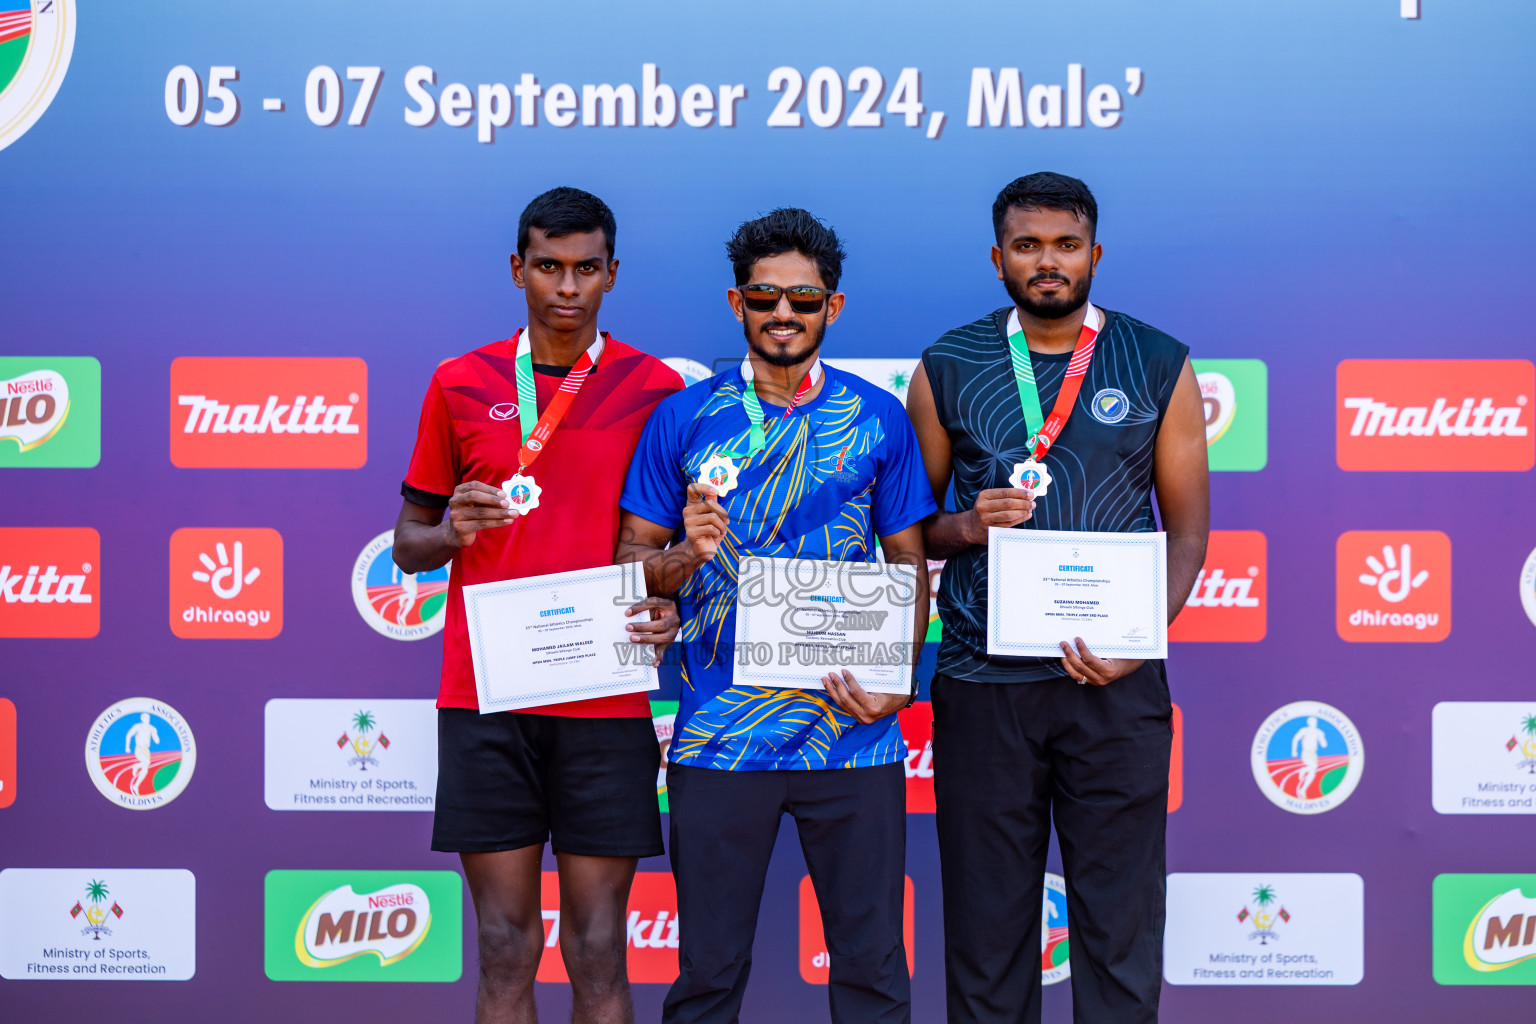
<point>1485,929</point>
<point>364,926</point>
<point>1235,393</point>
<point>50,410</point>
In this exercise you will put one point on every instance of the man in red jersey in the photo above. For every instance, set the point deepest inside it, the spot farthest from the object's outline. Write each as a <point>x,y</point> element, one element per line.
<point>582,773</point>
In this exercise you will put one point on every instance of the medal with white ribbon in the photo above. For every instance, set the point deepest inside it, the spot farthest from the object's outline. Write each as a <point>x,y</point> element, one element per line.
<point>719,470</point>
<point>521,490</point>
<point>1031,474</point>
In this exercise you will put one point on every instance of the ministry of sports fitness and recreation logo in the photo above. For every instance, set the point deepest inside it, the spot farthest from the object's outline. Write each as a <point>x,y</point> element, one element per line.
<point>894,375</point>
<point>1307,757</point>
<point>401,605</point>
<point>1110,406</point>
<point>1264,915</point>
<point>364,740</point>
<point>50,409</point>
<point>94,910</point>
<point>140,753</point>
<point>36,42</point>
<point>1055,960</point>
<point>364,926</point>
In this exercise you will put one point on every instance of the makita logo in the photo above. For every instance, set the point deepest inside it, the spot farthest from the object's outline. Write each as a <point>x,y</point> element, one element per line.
<point>1435,414</point>
<point>50,582</point>
<point>1226,604</point>
<point>1469,418</point>
<point>205,415</point>
<point>651,929</point>
<point>1213,589</point>
<point>269,413</point>
<point>916,725</point>
<point>46,587</point>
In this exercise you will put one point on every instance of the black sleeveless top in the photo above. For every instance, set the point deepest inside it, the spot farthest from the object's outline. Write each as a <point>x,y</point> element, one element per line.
<point>1101,466</point>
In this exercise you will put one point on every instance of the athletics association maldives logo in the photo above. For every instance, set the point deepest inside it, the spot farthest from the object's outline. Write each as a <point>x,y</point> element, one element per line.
<point>1307,757</point>
<point>1264,914</point>
<point>140,753</point>
<point>1055,961</point>
<point>401,605</point>
<point>1528,587</point>
<point>1110,406</point>
<point>36,42</point>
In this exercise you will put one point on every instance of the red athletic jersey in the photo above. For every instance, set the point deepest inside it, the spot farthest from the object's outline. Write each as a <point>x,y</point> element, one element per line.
<point>470,431</point>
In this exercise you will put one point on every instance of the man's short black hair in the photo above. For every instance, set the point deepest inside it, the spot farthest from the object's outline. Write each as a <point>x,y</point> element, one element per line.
<point>786,229</point>
<point>566,211</point>
<point>1045,190</point>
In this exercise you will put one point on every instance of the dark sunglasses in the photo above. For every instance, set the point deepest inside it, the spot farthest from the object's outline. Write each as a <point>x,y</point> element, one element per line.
<point>764,298</point>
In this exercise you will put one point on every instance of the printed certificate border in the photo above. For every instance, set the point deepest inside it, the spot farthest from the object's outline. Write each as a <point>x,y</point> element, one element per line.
<point>998,536</point>
<point>744,634</point>
<point>475,592</point>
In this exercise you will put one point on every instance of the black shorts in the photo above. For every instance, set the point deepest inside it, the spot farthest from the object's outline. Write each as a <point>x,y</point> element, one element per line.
<point>508,780</point>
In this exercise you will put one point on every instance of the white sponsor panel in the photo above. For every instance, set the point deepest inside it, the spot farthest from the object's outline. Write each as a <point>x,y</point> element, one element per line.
<point>891,374</point>
<point>1246,928</point>
<point>350,755</point>
<point>1483,757</point>
<point>98,924</point>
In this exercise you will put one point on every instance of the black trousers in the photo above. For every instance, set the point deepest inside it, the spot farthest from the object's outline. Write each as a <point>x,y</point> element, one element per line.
<point>853,831</point>
<point>1007,757</point>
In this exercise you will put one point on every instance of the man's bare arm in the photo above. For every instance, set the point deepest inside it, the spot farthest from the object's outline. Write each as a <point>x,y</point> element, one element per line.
<point>946,534</point>
<point>425,540</point>
<point>1181,475</point>
<point>667,568</point>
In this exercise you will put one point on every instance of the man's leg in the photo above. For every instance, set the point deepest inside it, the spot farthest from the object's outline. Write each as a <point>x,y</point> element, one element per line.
<point>594,898</point>
<point>491,811</point>
<point>509,931</point>
<point>992,791</point>
<point>603,816</point>
<point>1110,751</point>
<point>853,831</point>
<point>723,827</point>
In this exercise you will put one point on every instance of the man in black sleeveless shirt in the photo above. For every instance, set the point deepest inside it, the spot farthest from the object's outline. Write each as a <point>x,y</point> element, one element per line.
<point>1081,739</point>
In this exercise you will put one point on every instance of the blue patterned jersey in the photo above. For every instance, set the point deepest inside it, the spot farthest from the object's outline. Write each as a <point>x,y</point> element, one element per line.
<point>835,474</point>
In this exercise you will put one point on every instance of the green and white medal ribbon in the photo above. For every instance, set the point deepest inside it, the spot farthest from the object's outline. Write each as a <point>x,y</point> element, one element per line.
<point>1031,474</point>
<point>720,471</point>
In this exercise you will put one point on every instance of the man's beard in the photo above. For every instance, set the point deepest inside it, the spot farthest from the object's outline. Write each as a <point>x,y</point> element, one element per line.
<point>1053,308</point>
<point>783,359</point>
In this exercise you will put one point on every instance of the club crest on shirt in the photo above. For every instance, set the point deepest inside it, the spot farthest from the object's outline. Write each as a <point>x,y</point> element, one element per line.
<point>1110,405</point>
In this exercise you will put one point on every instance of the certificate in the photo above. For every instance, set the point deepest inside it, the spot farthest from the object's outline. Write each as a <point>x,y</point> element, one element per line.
<point>556,638</point>
<point>1047,586</point>
<point>799,619</point>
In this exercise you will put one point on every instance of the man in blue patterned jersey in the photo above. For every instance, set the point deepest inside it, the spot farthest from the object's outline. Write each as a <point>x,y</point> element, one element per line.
<point>832,465</point>
<point>1083,740</point>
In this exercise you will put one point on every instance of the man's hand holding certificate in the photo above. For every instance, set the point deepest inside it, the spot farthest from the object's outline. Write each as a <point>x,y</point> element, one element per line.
<point>564,636</point>
<point>1108,592</point>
